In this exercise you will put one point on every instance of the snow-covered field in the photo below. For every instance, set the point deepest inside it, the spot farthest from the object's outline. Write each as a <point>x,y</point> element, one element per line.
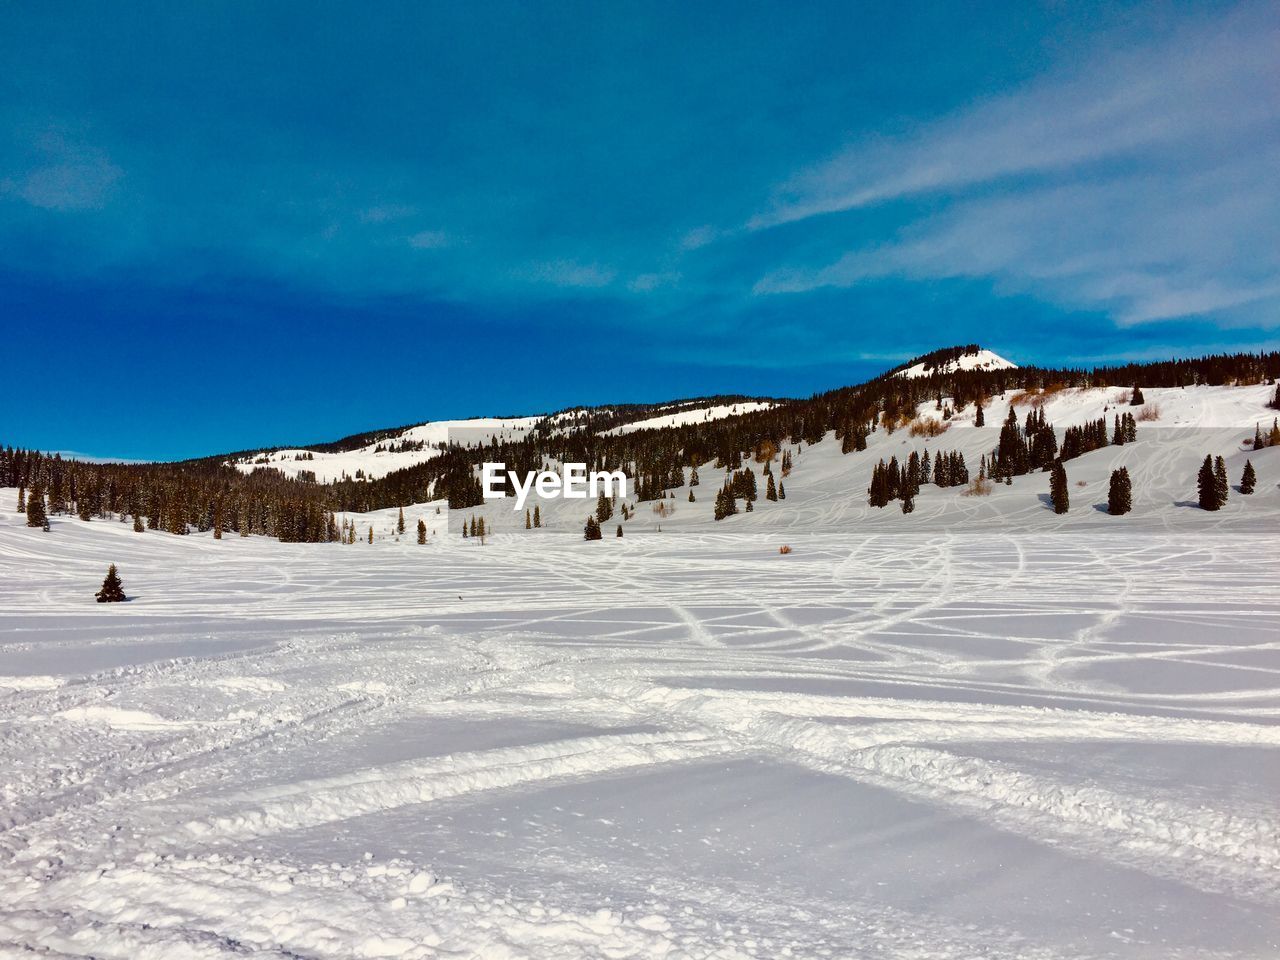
<point>883,745</point>
<point>980,730</point>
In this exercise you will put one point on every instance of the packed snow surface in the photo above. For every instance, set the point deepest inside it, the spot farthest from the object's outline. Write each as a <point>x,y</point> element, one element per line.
<point>983,359</point>
<point>978,730</point>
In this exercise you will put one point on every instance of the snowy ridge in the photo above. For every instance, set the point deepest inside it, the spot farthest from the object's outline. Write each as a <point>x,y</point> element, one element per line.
<point>375,459</point>
<point>686,415</point>
<point>982,359</point>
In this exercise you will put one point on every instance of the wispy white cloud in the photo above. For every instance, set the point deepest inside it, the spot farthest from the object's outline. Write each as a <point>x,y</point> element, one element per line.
<point>571,273</point>
<point>1142,183</point>
<point>647,282</point>
<point>71,177</point>
<point>429,240</point>
<point>385,213</point>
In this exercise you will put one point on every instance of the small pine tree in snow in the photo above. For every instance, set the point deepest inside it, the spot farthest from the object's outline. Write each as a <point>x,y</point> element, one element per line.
<point>400,521</point>
<point>782,490</point>
<point>619,529</point>
<point>537,516</point>
<point>138,527</point>
<point>528,520</point>
<point>112,589</point>
<point>1120,493</point>
<point>1206,486</point>
<point>1136,400</point>
<point>422,530</point>
<point>22,499</point>
<point>771,490</point>
<point>36,516</point>
<point>371,533</point>
<point>591,531</point>
<point>1220,482</point>
<point>1058,488</point>
<point>1248,479</point>
<point>908,503</point>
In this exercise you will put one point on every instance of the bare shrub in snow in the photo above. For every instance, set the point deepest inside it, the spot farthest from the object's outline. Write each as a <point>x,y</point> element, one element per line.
<point>1149,412</point>
<point>978,487</point>
<point>928,427</point>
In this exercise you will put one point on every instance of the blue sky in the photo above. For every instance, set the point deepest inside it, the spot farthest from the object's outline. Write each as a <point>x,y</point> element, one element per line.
<point>229,225</point>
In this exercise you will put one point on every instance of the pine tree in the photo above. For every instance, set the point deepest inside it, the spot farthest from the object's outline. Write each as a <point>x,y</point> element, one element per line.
<point>692,499</point>
<point>528,520</point>
<point>693,477</point>
<point>1206,486</point>
<point>1273,439</point>
<point>771,490</point>
<point>537,516</point>
<point>782,490</point>
<point>22,499</point>
<point>1248,479</point>
<point>619,529</point>
<point>1136,400</point>
<point>908,503</point>
<point>217,520</point>
<point>138,527</point>
<point>1120,493</point>
<point>592,530</point>
<point>1275,401</point>
<point>422,530</point>
<point>1058,488</point>
<point>1220,483</point>
<point>36,516</point>
<point>400,521</point>
<point>726,504</point>
<point>84,509</point>
<point>371,533</point>
<point>979,420</point>
<point>112,589</point>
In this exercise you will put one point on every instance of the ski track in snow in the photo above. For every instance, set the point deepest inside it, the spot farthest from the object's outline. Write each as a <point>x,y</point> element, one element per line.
<point>932,740</point>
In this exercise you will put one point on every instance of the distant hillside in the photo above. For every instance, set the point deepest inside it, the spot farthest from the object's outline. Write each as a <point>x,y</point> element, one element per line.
<point>294,493</point>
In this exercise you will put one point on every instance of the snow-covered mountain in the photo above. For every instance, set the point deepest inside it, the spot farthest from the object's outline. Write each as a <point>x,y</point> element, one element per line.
<point>978,358</point>
<point>389,450</point>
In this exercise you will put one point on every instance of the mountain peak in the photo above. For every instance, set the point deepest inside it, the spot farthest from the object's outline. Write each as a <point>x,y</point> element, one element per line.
<point>952,359</point>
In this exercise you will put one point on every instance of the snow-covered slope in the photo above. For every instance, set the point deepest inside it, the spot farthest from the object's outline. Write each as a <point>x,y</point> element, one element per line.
<point>684,414</point>
<point>385,455</point>
<point>827,489</point>
<point>379,458</point>
<point>983,359</point>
